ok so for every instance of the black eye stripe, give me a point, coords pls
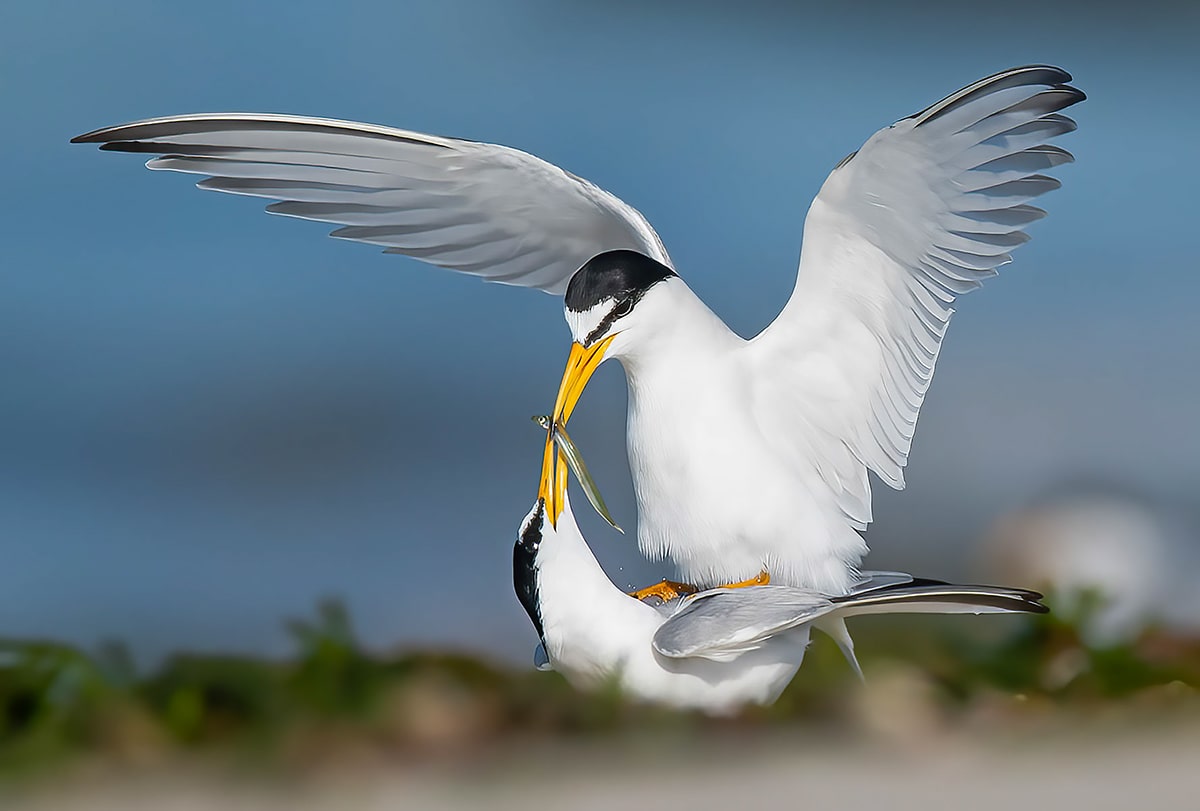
(623, 308)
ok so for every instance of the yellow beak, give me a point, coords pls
(581, 365)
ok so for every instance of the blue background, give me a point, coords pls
(210, 418)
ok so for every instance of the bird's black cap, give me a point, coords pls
(525, 567)
(615, 275)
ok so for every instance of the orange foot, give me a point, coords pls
(761, 579)
(666, 591)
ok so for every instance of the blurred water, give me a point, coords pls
(212, 417)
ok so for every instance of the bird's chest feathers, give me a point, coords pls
(690, 431)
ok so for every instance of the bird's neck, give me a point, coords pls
(586, 620)
(679, 332)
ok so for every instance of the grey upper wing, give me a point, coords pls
(721, 624)
(477, 208)
(925, 211)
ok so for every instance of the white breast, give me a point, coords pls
(714, 494)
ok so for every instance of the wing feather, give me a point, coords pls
(722, 624)
(477, 208)
(927, 210)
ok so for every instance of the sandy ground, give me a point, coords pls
(1096, 770)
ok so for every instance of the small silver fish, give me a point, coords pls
(575, 462)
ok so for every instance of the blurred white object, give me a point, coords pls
(1140, 561)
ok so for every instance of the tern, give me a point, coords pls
(749, 458)
(717, 650)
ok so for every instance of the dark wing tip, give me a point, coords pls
(1048, 75)
(1076, 94)
(129, 146)
(93, 137)
(198, 123)
(922, 589)
(1031, 600)
(1034, 74)
(114, 132)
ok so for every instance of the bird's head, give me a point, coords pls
(541, 529)
(608, 301)
(609, 306)
(525, 562)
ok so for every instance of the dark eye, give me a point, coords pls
(623, 307)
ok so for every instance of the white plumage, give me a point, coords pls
(746, 456)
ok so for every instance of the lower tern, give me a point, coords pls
(716, 650)
(749, 458)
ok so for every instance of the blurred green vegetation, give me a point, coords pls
(333, 697)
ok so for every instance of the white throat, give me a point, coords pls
(590, 625)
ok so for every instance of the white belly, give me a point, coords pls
(716, 498)
(756, 677)
(591, 656)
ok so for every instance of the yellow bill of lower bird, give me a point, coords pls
(559, 437)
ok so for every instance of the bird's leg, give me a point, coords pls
(666, 590)
(760, 579)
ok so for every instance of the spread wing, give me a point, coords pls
(477, 208)
(925, 211)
